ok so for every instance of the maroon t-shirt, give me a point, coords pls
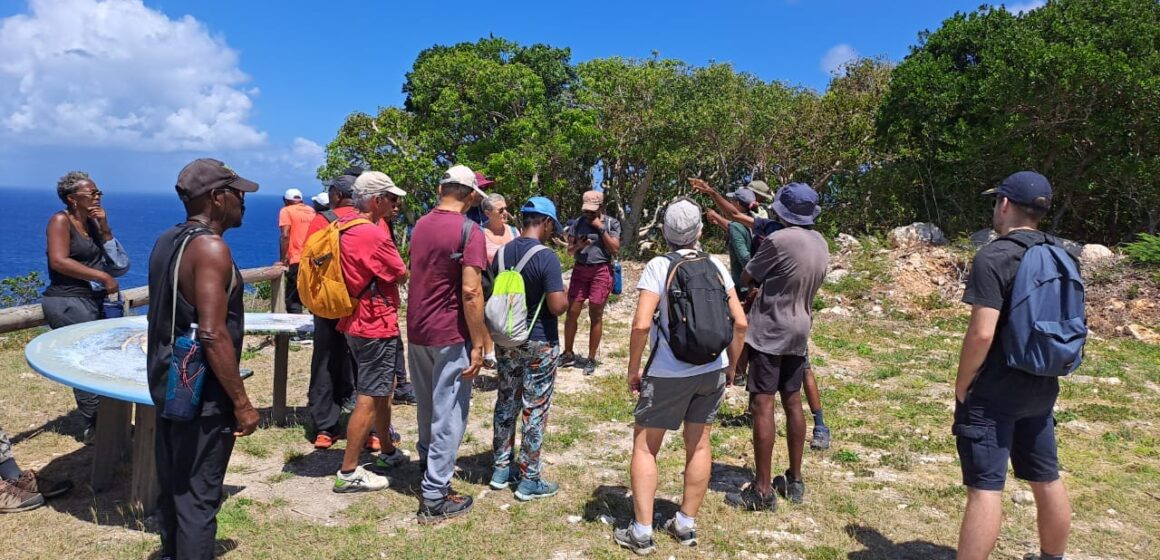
(435, 301)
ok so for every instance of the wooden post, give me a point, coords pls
(144, 489)
(111, 441)
(281, 350)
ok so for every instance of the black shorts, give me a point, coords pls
(772, 373)
(987, 438)
(376, 360)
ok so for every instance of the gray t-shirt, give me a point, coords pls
(595, 253)
(789, 268)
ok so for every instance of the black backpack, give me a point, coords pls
(700, 324)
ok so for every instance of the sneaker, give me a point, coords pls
(750, 499)
(567, 359)
(529, 490)
(793, 491)
(686, 538)
(89, 436)
(452, 505)
(502, 477)
(324, 440)
(391, 460)
(30, 481)
(821, 440)
(489, 363)
(625, 537)
(589, 366)
(361, 480)
(14, 499)
(407, 397)
(348, 406)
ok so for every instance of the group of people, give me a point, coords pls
(754, 316)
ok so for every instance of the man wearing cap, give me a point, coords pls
(320, 202)
(673, 392)
(192, 456)
(1001, 413)
(476, 213)
(446, 334)
(372, 269)
(594, 240)
(294, 221)
(764, 196)
(527, 373)
(788, 268)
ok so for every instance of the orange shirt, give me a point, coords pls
(297, 217)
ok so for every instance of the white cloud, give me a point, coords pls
(117, 74)
(837, 56)
(1024, 7)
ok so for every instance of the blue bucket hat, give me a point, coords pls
(796, 204)
(544, 207)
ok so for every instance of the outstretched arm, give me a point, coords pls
(727, 208)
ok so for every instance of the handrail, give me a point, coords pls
(28, 316)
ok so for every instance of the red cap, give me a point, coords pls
(482, 181)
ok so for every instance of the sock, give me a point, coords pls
(1046, 556)
(9, 470)
(347, 473)
(641, 531)
(818, 421)
(685, 522)
(489, 356)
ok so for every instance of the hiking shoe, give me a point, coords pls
(821, 440)
(324, 440)
(89, 436)
(529, 490)
(686, 538)
(391, 460)
(794, 491)
(14, 499)
(406, 397)
(589, 366)
(489, 363)
(625, 537)
(30, 481)
(451, 505)
(502, 477)
(567, 359)
(361, 480)
(750, 499)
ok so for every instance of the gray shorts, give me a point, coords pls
(376, 362)
(667, 401)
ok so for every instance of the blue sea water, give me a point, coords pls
(136, 219)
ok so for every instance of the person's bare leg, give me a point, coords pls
(813, 397)
(596, 331)
(1053, 516)
(981, 522)
(795, 431)
(646, 442)
(764, 433)
(357, 430)
(698, 466)
(570, 324)
(383, 423)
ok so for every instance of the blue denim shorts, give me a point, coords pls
(987, 438)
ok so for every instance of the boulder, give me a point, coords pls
(836, 275)
(1094, 254)
(983, 237)
(918, 233)
(847, 242)
(1141, 333)
(1023, 497)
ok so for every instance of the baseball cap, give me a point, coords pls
(344, 184)
(682, 223)
(592, 201)
(482, 181)
(461, 175)
(745, 197)
(760, 189)
(377, 182)
(203, 175)
(292, 194)
(1026, 188)
(542, 206)
(321, 199)
(797, 204)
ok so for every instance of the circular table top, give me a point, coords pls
(107, 357)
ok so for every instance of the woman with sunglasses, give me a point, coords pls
(83, 260)
(497, 231)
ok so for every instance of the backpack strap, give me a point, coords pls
(188, 236)
(528, 256)
(464, 237)
(674, 258)
(330, 216)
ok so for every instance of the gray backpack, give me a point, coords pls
(506, 312)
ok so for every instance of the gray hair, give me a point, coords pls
(491, 200)
(68, 184)
(368, 186)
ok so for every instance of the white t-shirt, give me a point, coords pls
(665, 364)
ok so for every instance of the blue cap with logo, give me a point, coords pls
(544, 207)
(1026, 188)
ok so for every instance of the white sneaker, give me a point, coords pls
(361, 480)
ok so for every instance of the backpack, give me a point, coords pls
(700, 324)
(506, 312)
(1046, 325)
(465, 233)
(320, 283)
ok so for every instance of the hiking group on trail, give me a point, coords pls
(484, 293)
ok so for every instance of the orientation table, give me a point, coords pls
(107, 357)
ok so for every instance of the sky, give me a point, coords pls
(131, 90)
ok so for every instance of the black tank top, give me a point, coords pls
(84, 250)
(159, 347)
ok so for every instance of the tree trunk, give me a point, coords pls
(628, 241)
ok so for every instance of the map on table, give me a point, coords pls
(107, 357)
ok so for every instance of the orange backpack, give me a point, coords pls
(320, 283)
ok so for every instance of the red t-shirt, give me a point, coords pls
(435, 302)
(369, 254)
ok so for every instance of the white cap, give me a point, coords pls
(292, 194)
(376, 182)
(462, 175)
(321, 199)
(682, 223)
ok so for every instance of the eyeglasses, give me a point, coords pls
(91, 194)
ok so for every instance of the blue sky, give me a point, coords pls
(131, 90)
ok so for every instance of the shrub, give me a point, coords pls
(20, 290)
(1145, 250)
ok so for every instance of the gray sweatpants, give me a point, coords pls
(443, 400)
(61, 312)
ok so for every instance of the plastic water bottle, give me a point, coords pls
(185, 378)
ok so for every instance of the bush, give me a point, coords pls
(1145, 251)
(20, 290)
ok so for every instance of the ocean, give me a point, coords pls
(136, 219)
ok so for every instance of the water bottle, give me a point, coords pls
(185, 378)
(617, 278)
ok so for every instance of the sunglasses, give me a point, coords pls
(91, 194)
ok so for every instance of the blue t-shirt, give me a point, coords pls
(762, 228)
(542, 275)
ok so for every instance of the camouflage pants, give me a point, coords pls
(527, 376)
(5, 446)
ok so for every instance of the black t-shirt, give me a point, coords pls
(542, 275)
(992, 274)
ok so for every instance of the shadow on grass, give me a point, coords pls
(71, 424)
(728, 478)
(879, 547)
(221, 548)
(614, 503)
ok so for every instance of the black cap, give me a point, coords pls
(354, 170)
(344, 185)
(203, 175)
(1025, 188)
